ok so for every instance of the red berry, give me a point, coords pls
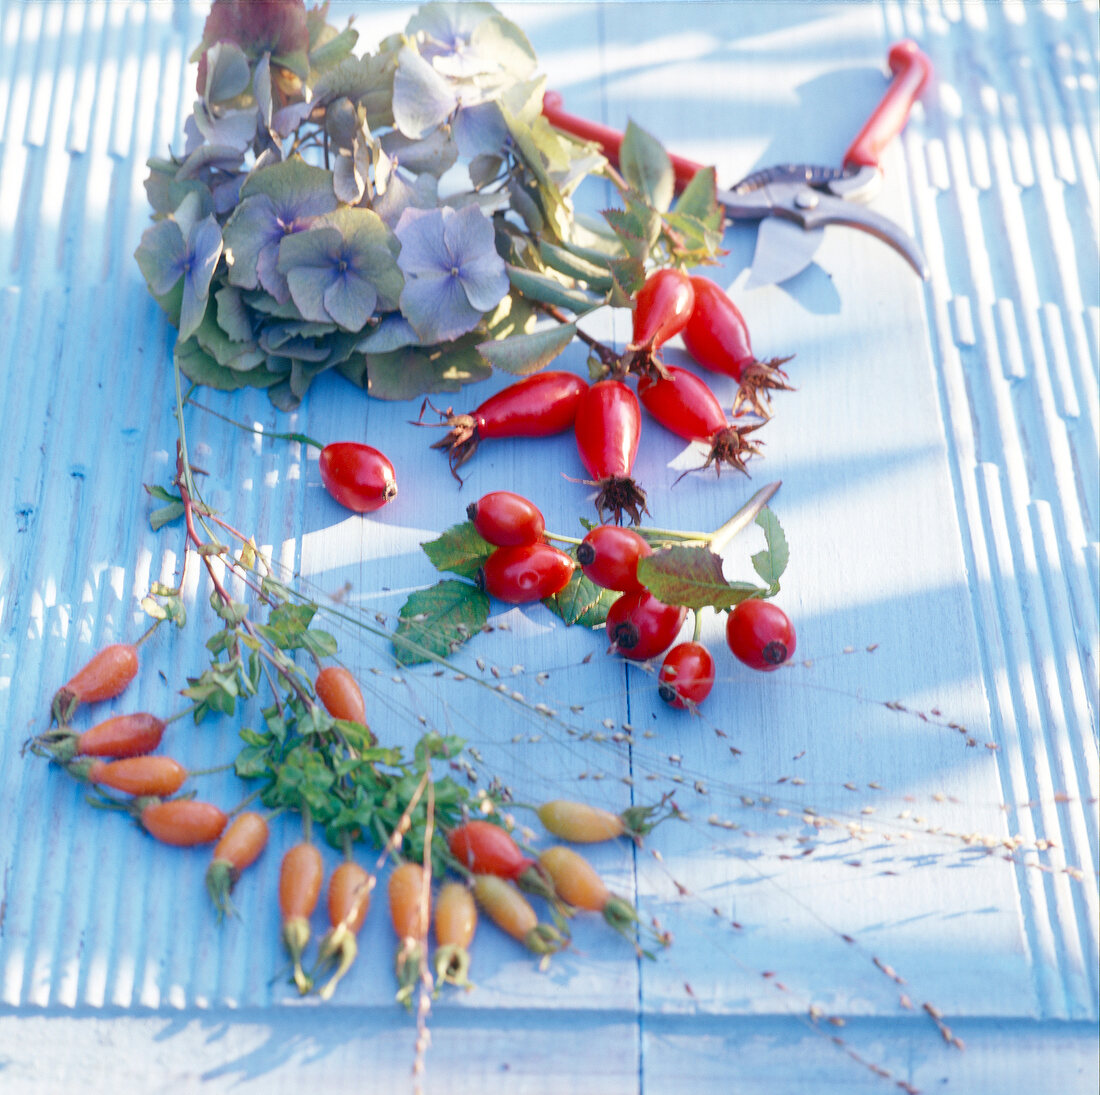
(639, 626)
(662, 309)
(608, 427)
(609, 557)
(684, 404)
(686, 676)
(526, 572)
(717, 337)
(538, 406)
(760, 634)
(357, 476)
(506, 519)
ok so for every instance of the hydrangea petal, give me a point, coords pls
(437, 308)
(485, 281)
(350, 300)
(423, 250)
(307, 288)
(422, 99)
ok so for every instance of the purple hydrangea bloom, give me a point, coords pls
(453, 274)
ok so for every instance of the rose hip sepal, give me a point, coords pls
(717, 337)
(608, 428)
(683, 404)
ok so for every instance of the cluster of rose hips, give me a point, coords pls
(523, 567)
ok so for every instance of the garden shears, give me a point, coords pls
(794, 203)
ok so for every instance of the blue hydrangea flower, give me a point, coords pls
(453, 274)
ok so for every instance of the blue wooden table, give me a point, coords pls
(891, 845)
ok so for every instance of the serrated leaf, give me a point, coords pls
(460, 550)
(691, 576)
(646, 166)
(439, 619)
(772, 561)
(700, 197)
(525, 354)
(581, 602)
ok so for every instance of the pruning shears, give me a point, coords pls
(794, 203)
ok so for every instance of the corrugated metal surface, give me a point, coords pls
(941, 494)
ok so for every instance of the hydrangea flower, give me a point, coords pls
(277, 27)
(453, 274)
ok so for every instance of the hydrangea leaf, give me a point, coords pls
(422, 99)
(406, 374)
(200, 368)
(524, 354)
(232, 314)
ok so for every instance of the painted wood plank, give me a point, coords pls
(940, 496)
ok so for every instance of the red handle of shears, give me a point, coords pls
(912, 70)
(610, 140)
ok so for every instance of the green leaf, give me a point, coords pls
(594, 275)
(406, 374)
(581, 601)
(438, 620)
(334, 51)
(522, 355)
(772, 561)
(700, 197)
(165, 515)
(232, 613)
(460, 550)
(548, 290)
(691, 576)
(646, 167)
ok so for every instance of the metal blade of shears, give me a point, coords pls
(783, 249)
